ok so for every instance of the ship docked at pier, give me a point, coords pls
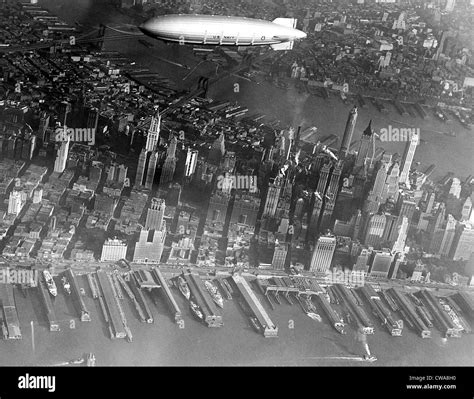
(53, 290)
(214, 293)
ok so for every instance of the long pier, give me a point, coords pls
(132, 297)
(93, 285)
(212, 316)
(7, 300)
(165, 289)
(270, 329)
(115, 320)
(356, 310)
(409, 312)
(442, 320)
(77, 299)
(380, 310)
(141, 299)
(48, 305)
(331, 314)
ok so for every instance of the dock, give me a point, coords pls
(132, 297)
(77, 299)
(270, 329)
(115, 320)
(408, 311)
(48, 305)
(12, 324)
(134, 285)
(380, 310)
(223, 288)
(330, 313)
(465, 302)
(356, 311)
(443, 321)
(212, 316)
(93, 286)
(170, 301)
(420, 110)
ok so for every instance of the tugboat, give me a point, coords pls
(50, 283)
(196, 310)
(90, 360)
(314, 316)
(183, 287)
(215, 294)
(66, 285)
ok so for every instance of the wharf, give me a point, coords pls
(171, 302)
(134, 285)
(212, 316)
(115, 319)
(7, 300)
(77, 299)
(270, 329)
(48, 305)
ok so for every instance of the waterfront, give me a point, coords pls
(308, 343)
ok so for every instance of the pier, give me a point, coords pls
(356, 311)
(409, 312)
(132, 297)
(93, 286)
(48, 305)
(10, 315)
(270, 329)
(465, 302)
(165, 289)
(212, 316)
(134, 285)
(442, 320)
(76, 296)
(380, 310)
(330, 313)
(115, 320)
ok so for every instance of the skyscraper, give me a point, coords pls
(149, 247)
(399, 245)
(348, 132)
(113, 250)
(365, 145)
(463, 248)
(152, 162)
(381, 263)
(407, 159)
(217, 150)
(153, 132)
(273, 195)
(169, 166)
(155, 213)
(331, 196)
(61, 156)
(375, 229)
(191, 162)
(323, 253)
(279, 256)
(318, 198)
(141, 167)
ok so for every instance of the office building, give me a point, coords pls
(191, 162)
(323, 253)
(348, 132)
(169, 167)
(279, 256)
(61, 156)
(113, 250)
(375, 229)
(153, 135)
(381, 263)
(149, 247)
(407, 159)
(155, 214)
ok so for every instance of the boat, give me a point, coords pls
(314, 316)
(183, 287)
(66, 285)
(50, 283)
(90, 360)
(215, 294)
(196, 310)
(80, 360)
(256, 325)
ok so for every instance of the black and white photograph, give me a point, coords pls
(237, 183)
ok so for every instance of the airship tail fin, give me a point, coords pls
(288, 22)
(282, 46)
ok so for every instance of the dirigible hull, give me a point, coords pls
(221, 30)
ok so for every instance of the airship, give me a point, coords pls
(223, 30)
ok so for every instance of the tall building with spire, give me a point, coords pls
(407, 159)
(319, 198)
(153, 132)
(331, 196)
(273, 196)
(348, 132)
(365, 146)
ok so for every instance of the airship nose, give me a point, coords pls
(146, 27)
(300, 34)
